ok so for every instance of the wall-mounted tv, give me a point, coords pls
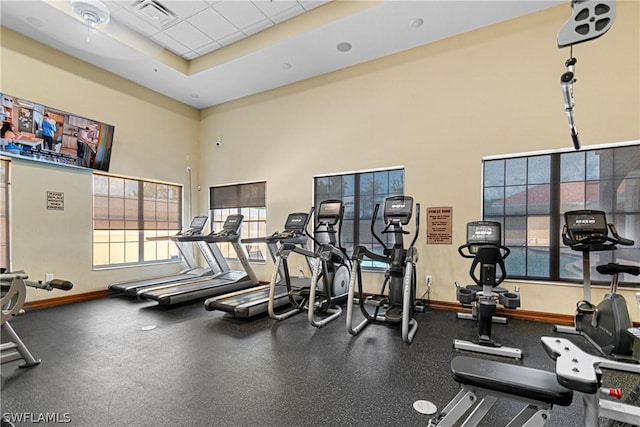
(46, 134)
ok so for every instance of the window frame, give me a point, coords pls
(378, 197)
(248, 228)
(143, 227)
(557, 206)
(5, 212)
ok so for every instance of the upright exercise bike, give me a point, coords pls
(14, 291)
(488, 254)
(606, 326)
(398, 306)
(329, 282)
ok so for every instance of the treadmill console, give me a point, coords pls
(483, 233)
(330, 212)
(231, 226)
(583, 224)
(398, 209)
(197, 225)
(295, 225)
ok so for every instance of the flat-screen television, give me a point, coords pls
(45, 134)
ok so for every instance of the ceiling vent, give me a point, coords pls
(154, 12)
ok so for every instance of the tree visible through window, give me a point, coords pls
(530, 194)
(359, 193)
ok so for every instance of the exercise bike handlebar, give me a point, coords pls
(596, 242)
(504, 254)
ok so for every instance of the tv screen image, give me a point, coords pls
(45, 134)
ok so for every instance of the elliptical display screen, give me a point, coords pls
(330, 211)
(483, 233)
(398, 207)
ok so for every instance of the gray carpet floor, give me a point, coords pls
(102, 366)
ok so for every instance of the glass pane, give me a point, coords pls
(538, 262)
(593, 165)
(599, 195)
(515, 200)
(570, 264)
(538, 231)
(515, 231)
(396, 182)
(572, 167)
(493, 173)
(494, 201)
(539, 170)
(381, 183)
(366, 184)
(627, 199)
(539, 199)
(100, 254)
(572, 196)
(516, 262)
(626, 161)
(348, 185)
(516, 171)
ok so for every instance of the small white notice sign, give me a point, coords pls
(55, 200)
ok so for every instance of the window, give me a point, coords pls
(250, 201)
(4, 214)
(127, 211)
(529, 195)
(359, 193)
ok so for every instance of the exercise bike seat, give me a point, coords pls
(613, 268)
(510, 379)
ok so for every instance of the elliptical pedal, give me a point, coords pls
(377, 300)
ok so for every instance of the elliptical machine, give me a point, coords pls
(400, 274)
(606, 325)
(484, 246)
(327, 288)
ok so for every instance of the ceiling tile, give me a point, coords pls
(212, 24)
(257, 27)
(240, 13)
(271, 8)
(170, 43)
(188, 35)
(287, 14)
(190, 55)
(208, 48)
(312, 4)
(232, 38)
(127, 18)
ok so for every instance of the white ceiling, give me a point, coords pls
(213, 51)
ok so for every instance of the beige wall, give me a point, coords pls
(436, 110)
(153, 137)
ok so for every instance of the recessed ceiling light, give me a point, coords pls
(34, 21)
(344, 46)
(415, 23)
(285, 65)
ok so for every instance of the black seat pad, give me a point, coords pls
(613, 268)
(512, 379)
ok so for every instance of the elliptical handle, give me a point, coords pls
(306, 227)
(415, 238)
(373, 223)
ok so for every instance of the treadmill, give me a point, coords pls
(251, 302)
(193, 270)
(223, 282)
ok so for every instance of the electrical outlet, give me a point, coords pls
(48, 277)
(428, 280)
